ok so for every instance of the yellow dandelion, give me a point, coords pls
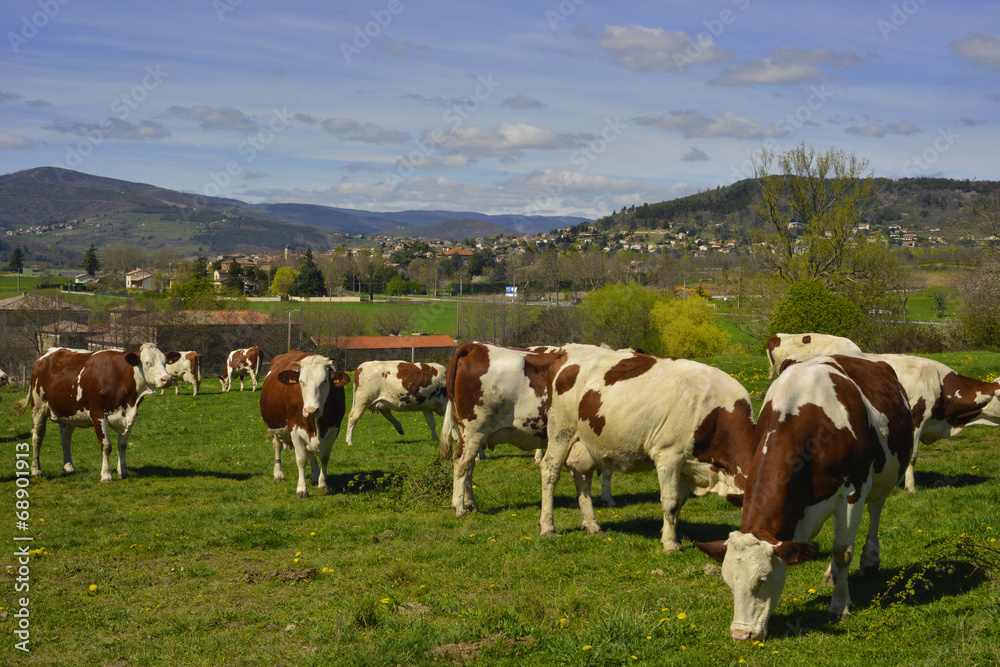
(682, 616)
(93, 587)
(296, 560)
(312, 534)
(386, 600)
(587, 647)
(812, 591)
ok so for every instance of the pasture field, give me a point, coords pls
(200, 558)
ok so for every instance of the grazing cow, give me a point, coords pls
(302, 404)
(834, 434)
(499, 395)
(241, 363)
(942, 401)
(3, 381)
(76, 388)
(382, 386)
(184, 366)
(632, 412)
(782, 346)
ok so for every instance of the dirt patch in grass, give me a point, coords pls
(465, 651)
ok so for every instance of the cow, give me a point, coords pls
(241, 363)
(3, 381)
(383, 386)
(632, 412)
(302, 404)
(77, 388)
(184, 366)
(782, 346)
(942, 402)
(833, 436)
(499, 395)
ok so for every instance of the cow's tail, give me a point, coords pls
(21, 405)
(444, 438)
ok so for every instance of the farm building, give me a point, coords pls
(351, 351)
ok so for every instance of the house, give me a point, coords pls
(140, 279)
(67, 333)
(415, 348)
(38, 310)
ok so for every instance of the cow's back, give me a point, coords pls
(74, 380)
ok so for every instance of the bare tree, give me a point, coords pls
(122, 259)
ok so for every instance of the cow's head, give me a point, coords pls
(754, 570)
(150, 367)
(314, 375)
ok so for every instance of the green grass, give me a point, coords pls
(196, 558)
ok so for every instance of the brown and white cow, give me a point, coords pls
(384, 386)
(500, 395)
(77, 388)
(184, 366)
(782, 346)
(302, 404)
(834, 435)
(942, 401)
(241, 363)
(633, 412)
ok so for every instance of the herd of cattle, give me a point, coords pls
(838, 430)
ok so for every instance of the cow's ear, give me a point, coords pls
(133, 359)
(795, 553)
(172, 356)
(786, 363)
(715, 550)
(288, 377)
(339, 378)
(735, 499)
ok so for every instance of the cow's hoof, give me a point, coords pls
(828, 579)
(593, 530)
(838, 618)
(671, 548)
(301, 494)
(68, 469)
(123, 475)
(610, 503)
(279, 478)
(548, 532)
(106, 480)
(36, 472)
(868, 569)
(325, 490)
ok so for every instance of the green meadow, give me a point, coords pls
(200, 558)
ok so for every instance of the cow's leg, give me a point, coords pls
(197, 385)
(606, 489)
(539, 453)
(279, 476)
(122, 446)
(66, 439)
(253, 380)
(909, 483)
(39, 420)
(385, 412)
(104, 440)
(672, 496)
(301, 456)
(314, 465)
(462, 498)
(582, 466)
(870, 556)
(325, 448)
(429, 416)
(846, 521)
(241, 383)
(560, 441)
(358, 408)
(177, 389)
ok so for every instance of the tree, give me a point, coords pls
(687, 328)
(283, 279)
(234, 277)
(91, 261)
(481, 261)
(16, 263)
(201, 267)
(617, 315)
(122, 259)
(808, 306)
(309, 281)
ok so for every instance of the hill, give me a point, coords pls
(456, 229)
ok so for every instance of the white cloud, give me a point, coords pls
(368, 133)
(522, 102)
(695, 155)
(8, 140)
(654, 49)
(216, 118)
(113, 128)
(696, 124)
(980, 47)
(785, 66)
(879, 130)
(461, 146)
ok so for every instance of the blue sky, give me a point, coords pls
(571, 107)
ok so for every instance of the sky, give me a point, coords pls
(571, 107)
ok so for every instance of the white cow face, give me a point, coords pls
(314, 376)
(152, 367)
(756, 575)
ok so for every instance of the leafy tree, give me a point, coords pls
(16, 263)
(618, 315)
(481, 260)
(283, 279)
(91, 261)
(196, 294)
(808, 306)
(687, 328)
(309, 281)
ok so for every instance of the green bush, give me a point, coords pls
(809, 307)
